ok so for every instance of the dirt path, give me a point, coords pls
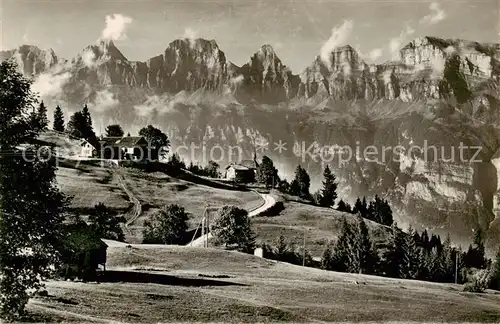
(136, 211)
(269, 201)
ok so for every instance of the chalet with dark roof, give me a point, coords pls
(133, 148)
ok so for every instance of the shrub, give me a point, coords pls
(231, 228)
(168, 226)
(479, 282)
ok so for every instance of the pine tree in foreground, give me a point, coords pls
(31, 204)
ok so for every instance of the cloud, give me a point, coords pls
(346, 69)
(338, 37)
(450, 50)
(237, 79)
(156, 104)
(437, 14)
(88, 58)
(375, 54)
(396, 42)
(438, 65)
(105, 100)
(191, 35)
(116, 25)
(48, 84)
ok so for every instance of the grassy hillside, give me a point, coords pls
(89, 183)
(319, 225)
(148, 284)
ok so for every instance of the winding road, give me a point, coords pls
(269, 201)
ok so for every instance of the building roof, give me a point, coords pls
(237, 167)
(81, 238)
(84, 141)
(126, 141)
(251, 164)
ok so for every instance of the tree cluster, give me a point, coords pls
(353, 251)
(267, 173)
(210, 170)
(300, 184)
(377, 210)
(403, 255)
(158, 141)
(80, 125)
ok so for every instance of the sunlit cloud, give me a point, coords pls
(396, 42)
(436, 15)
(116, 25)
(338, 37)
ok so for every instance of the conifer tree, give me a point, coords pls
(393, 255)
(300, 185)
(364, 255)
(42, 116)
(343, 253)
(344, 207)
(58, 124)
(327, 257)
(329, 192)
(448, 260)
(410, 262)
(437, 267)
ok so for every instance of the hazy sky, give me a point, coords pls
(298, 30)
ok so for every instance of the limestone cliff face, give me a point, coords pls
(188, 65)
(31, 59)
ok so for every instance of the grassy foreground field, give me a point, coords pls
(171, 284)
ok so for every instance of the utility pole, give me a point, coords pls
(304, 250)
(456, 267)
(203, 228)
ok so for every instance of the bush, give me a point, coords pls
(479, 282)
(231, 228)
(168, 226)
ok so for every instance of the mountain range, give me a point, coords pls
(443, 92)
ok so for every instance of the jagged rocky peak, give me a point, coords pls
(188, 64)
(344, 59)
(267, 78)
(101, 51)
(199, 51)
(31, 59)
